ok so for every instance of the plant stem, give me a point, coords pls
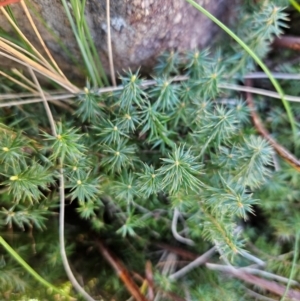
(63, 254)
(176, 235)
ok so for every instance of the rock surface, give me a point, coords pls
(140, 29)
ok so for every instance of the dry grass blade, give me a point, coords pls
(37, 100)
(17, 29)
(46, 105)
(17, 95)
(40, 39)
(22, 50)
(55, 98)
(110, 55)
(17, 56)
(34, 61)
(49, 97)
(23, 77)
(54, 94)
(17, 82)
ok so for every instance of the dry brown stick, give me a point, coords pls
(282, 152)
(271, 286)
(291, 42)
(149, 277)
(121, 272)
(179, 251)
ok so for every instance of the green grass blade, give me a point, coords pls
(88, 43)
(87, 62)
(296, 5)
(11, 14)
(31, 271)
(98, 68)
(98, 64)
(296, 250)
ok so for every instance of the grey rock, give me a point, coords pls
(140, 29)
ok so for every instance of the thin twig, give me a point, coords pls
(265, 274)
(157, 297)
(174, 230)
(257, 91)
(227, 86)
(147, 83)
(170, 260)
(258, 296)
(291, 42)
(150, 280)
(266, 284)
(121, 272)
(284, 153)
(144, 84)
(26, 94)
(170, 264)
(277, 75)
(53, 99)
(49, 97)
(194, 264)
(109, 45)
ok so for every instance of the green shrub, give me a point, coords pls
(172, 161)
